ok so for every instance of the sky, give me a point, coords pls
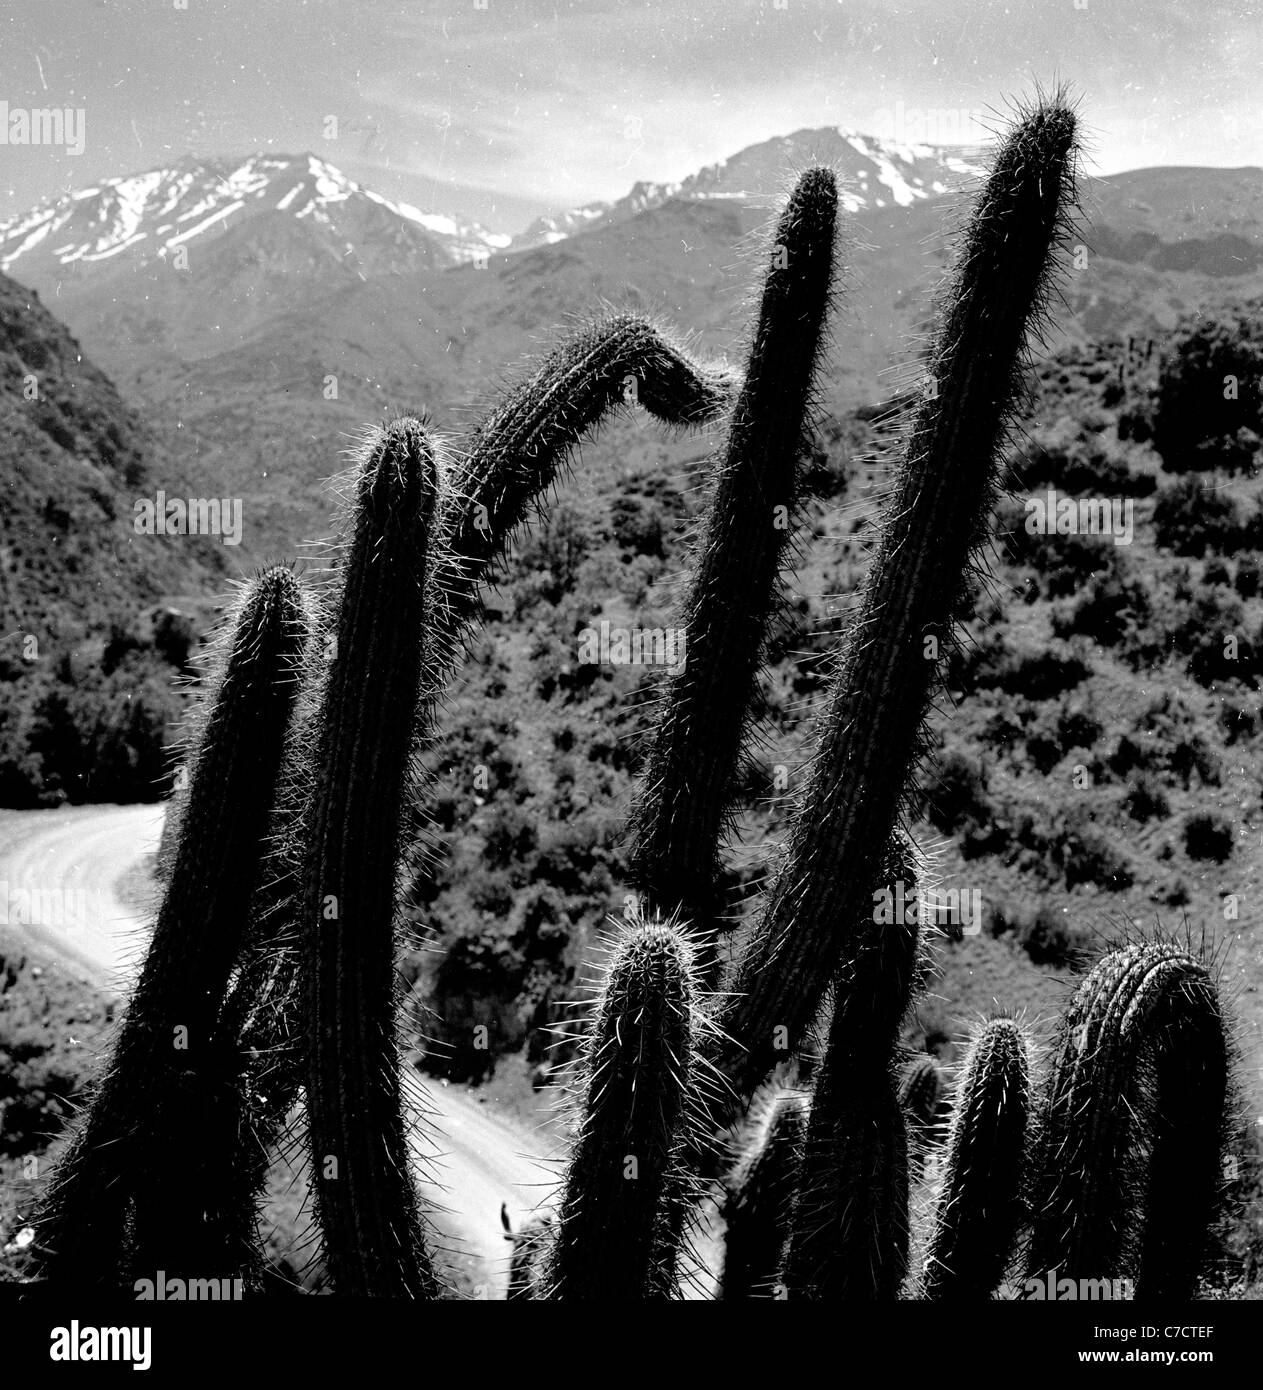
(498, 110)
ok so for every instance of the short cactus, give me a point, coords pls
(980, 1204)
(626, 1179)
(1127, 1170)
(760, 1192)
(920, 1090)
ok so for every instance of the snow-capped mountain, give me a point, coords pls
(873, 174)
(149, 216)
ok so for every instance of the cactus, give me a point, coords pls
(933, 524)
(626, 1181)
(760, 1193)
(149, 1156)
(690, 768)
(980, 1205)
(849, 1236)
(299, 968)
(367, 1204)
(1127, 1170)
(520, 449)
(920, 1090)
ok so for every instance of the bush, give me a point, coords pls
(1049, 939)
(1072, 459)
(1113, 611)
(958, 793)
(1201, 420)
(1190, 519)
(1145, 799)
(1208, 837)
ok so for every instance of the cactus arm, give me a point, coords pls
(519, 450)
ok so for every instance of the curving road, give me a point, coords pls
(69, 881)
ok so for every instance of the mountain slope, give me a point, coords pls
(94, 619)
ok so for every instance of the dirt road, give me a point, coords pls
(67, 884)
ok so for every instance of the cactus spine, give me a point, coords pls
(365, 1198)
(980, 1204)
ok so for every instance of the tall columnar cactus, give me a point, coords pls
(935, 520)
(145, 1184)
(626, 1183)
(1127, 1170)
(690, 769)
(760, 1192)
(849, 1236)
(980, 1203)
(347, 904)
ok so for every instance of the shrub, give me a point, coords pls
(1190, 519)
(1145, 799)
(1210, 412)
(1208, 837)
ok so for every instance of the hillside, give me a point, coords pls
(87, 607)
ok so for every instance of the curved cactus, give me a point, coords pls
(935, 519)
(149, 1158)
(686, 786)
(625, 1182)
(1127, 1170)
(760, 1194)
(365, 1197)
(521, 447)
(980, 1205)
